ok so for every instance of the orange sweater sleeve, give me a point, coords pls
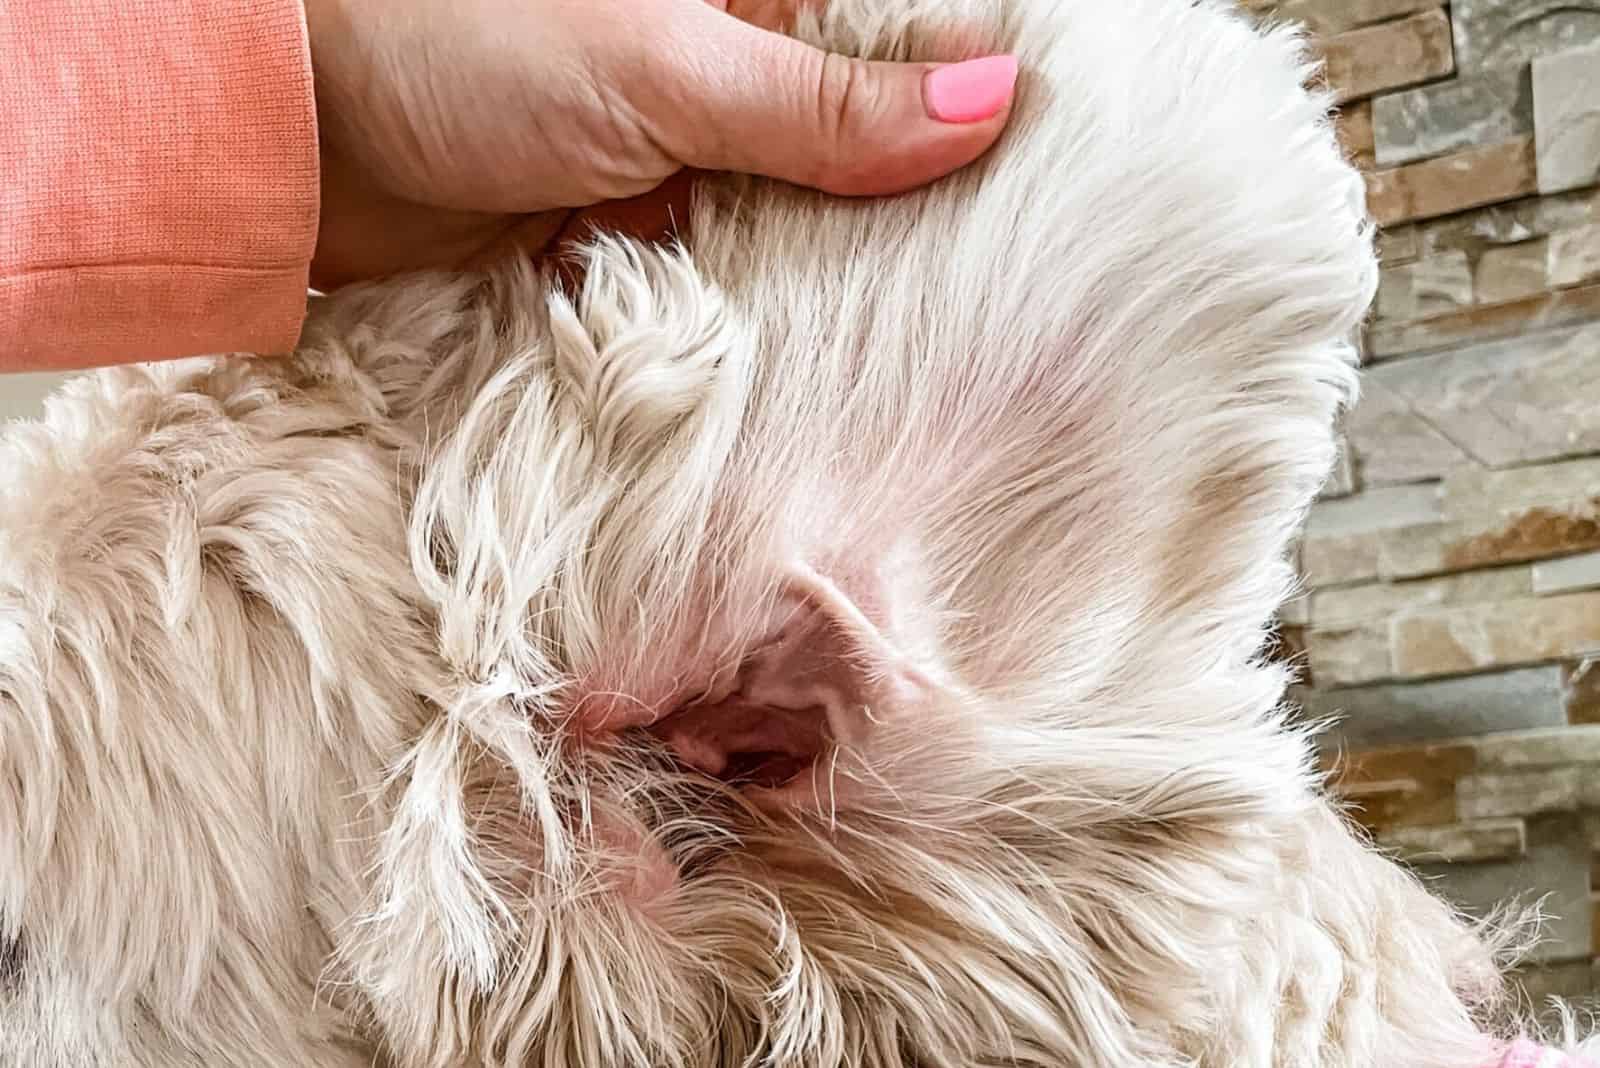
(158, 179)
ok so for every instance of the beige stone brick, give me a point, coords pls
(1574, 255)
(1537, 533)
(1581, 692)
(1296, 611)
(1466, 179)
(1345, 656)
(1399, 244)
(1525, 792)
(1377, 601)
(1333, 560)
(1392, 55)
(1342, 479)
(1431, 762)
(1402, 786)
(1287, 645)
(1511, 272)
(1340, 546)
(1546, 748)
(1426, 287)
(1477, 492)
(1474, 637)
(1336, 16)
(1353, 126)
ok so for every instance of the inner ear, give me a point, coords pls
(806, 698)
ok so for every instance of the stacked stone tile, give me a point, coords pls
(1452, 569)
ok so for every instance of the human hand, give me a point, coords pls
(454, 128)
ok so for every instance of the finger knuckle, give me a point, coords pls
(843, 90)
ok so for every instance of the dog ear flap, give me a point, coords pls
(794, 723)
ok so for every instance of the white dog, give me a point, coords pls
(839, 643)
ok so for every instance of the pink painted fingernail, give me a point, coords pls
(972, 91)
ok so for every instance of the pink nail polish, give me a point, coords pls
(972, 91)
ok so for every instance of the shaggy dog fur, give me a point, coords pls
(839, 643)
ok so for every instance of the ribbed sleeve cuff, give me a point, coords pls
(73, 318)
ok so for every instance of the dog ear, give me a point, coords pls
(794, 695)
(826, 675)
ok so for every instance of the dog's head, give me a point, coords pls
(836, 643)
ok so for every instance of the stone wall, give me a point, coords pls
(1452, 612)
(22, 396)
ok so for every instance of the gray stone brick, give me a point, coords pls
(1377, 509)
(1567, 117)
(1478, 109)
(1390, 442)
(1399, 713)
(1515, 401)
(1567, 574)
(1555, 869)
(1502, 33)
(1457, 843)
(1490, 322)
(1523, 220)
(1571, 980)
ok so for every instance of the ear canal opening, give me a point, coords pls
(815, 686)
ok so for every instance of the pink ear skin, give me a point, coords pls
(792, 724)
(807, 702)
(641, 869)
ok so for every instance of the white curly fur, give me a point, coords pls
(292, 651)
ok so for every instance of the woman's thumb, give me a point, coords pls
(771, 105)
